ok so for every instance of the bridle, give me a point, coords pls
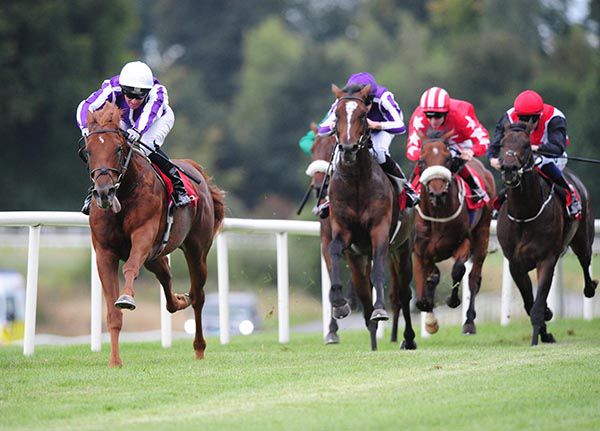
(364, 141)
(525, 164)
(123, 164)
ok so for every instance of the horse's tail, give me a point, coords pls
(218, 197)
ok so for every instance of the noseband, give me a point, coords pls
(123, 161)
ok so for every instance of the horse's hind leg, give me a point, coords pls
(195, 256)
(404, 294)
(339, 305)
(160, 268)
(581, 244)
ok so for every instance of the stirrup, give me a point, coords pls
(322, 210)
(574, 209)
(181, 200)
(87, 203)
(412, 198)
(477, 194)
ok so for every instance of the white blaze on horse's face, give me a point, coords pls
(350, 108)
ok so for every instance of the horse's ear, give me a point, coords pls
(507, 126)
(314, 127)
(337, 91)
(529, 126)
(365, 91)
(116, 116)
(91, 119)
(448, 135)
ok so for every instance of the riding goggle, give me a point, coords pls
(135, 93)
(528, 118)
(435, 114)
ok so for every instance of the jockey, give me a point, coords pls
(438, 111)
(385, 120)
(549, 135)
(145, 116)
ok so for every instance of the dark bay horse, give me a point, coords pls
(444, 229)
(534, 230)
(365, 218)
(129, 220)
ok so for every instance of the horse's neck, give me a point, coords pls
(138, 168)
(361, 170)
(525, 200)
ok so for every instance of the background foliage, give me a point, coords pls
(247, 78)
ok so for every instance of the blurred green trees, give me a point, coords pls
(246, 78)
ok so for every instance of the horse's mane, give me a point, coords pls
(108, 116)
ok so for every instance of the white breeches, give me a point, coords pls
(381, 147)
(157, 133)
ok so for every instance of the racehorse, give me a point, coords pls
(365, 218)
(534, 230)
(445, 228)
(129, 221)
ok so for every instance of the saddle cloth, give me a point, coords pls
(187, 183)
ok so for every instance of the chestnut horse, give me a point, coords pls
(534, 230)
(444, 228)
(129, 219)
(367, 226)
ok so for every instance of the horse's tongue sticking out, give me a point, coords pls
(116, 206)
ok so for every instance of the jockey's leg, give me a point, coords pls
(477, 193)
(180, 195)
(87, 202)
(555, 174)
(394, 172)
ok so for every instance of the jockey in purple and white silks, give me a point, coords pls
(145, 116)
(385, 120)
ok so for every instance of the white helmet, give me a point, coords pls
(137, 76)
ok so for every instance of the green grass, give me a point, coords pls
(491, 381)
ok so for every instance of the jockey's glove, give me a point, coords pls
(85, 132)
(133, 135)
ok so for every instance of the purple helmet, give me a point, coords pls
(363, 78)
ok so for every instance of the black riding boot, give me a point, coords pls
(180, 196)
(555, 175)
(393, 171)
(87, 202)
(477, 193)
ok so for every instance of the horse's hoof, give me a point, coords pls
(453, 301)
(125, 302)
(547, 338)
(408, 345)
(548, 315)
(379, 315)
(341, 312)
(469, 329)
(332, 338)
(431, 323)
(590, 290)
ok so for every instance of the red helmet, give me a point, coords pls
(435, 99)
(529, 103)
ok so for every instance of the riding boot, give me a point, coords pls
(87, 202)
(552, 171)
(477, 193)
(395, 174)
(180, 196)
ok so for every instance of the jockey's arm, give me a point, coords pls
(557, 137)
(494, 148)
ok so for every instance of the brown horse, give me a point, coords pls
(446, 229)
(367, 226)
(534, 230)
(321, 152)
(129, 221)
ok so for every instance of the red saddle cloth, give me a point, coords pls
(472, 206)
(187, 183)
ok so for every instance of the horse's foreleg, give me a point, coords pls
(460, 255)
(379, 245)
(340, 307)
(108, 266)
(404, 265)
(540, 310)
(359, 270)
(427, 277)
(141, 245)
(479, 248)
(523, 282)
